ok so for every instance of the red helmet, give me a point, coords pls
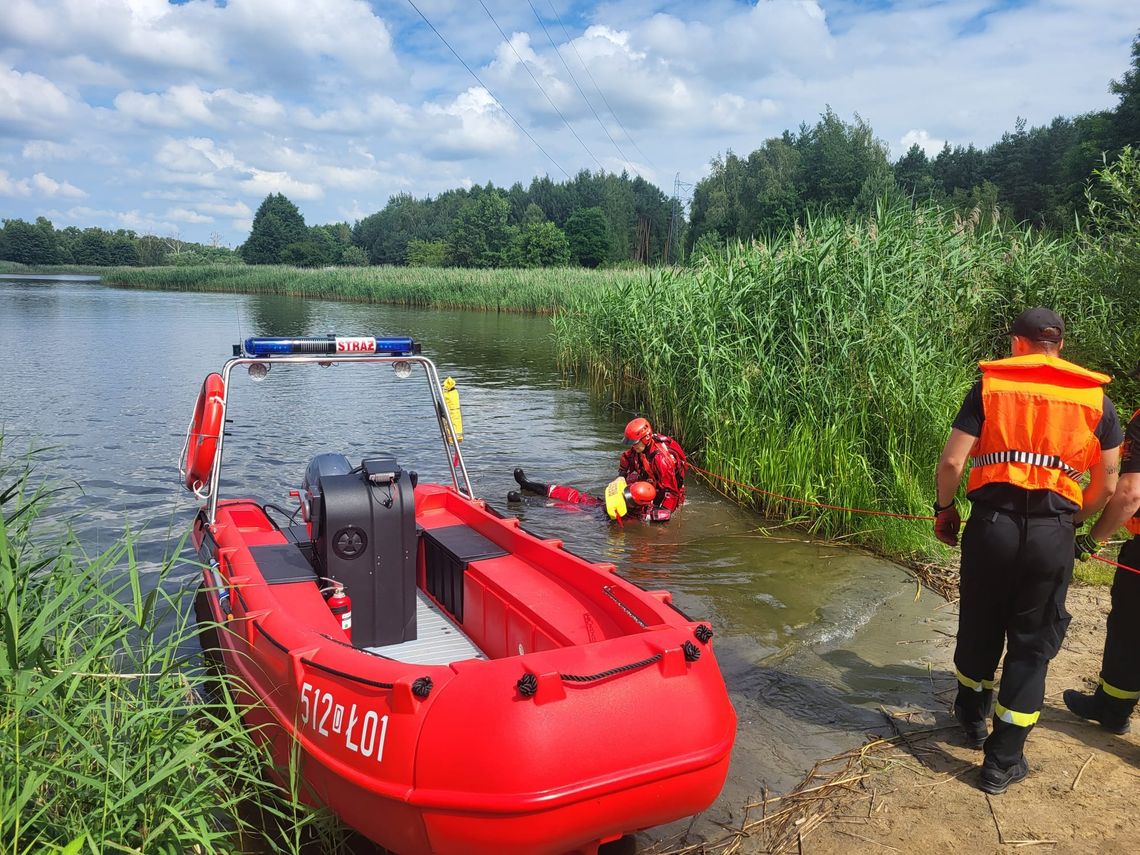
(638, 430)
(641, 492)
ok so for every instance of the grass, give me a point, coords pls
(827, 363)
(105, 743)
(513, 290)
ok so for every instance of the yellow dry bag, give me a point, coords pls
(451, 398)
(615, 499)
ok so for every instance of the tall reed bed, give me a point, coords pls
(516, 290)
(105, 744)
(827, 363)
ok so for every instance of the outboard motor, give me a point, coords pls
(322, 464)
(363, 526)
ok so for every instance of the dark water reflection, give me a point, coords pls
(807, 633)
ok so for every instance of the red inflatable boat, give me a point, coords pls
(444, 680)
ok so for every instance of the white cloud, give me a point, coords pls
(262, 183)
(45, 150)
(153, 31)
(374, 112)
(195, 155)
(187, 106)
(470, 125)
(10, 186)
(225, 209)
(185, 215)
(50, 187)
(923, 140)
(38, 186)
(29, 100)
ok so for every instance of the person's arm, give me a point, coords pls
(1102, 484)
(1124, 503)
(951, 465)
(625, 463)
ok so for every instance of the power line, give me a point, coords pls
(540, 87)
(550, 39)
(488, 90)
(600, 92)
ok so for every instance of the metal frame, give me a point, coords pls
(443, 415)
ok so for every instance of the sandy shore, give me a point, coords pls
(916, 791)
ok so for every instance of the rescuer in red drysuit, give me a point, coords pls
(639, 497)
(655, 458)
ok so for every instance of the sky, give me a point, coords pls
(178, 118)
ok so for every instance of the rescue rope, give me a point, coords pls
(528, 683)
(744, 486)
(1114, 564)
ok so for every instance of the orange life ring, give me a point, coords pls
(205, 428)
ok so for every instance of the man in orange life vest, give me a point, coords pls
(1119, 686)
(657, 459)
(1030, 429)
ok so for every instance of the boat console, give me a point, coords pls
(363, 527)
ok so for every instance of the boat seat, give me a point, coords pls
(283, 563)
(448, 550)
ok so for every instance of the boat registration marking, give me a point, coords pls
(364, 732)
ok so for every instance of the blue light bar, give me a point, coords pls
(329, 345)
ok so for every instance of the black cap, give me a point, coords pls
(1039, 324)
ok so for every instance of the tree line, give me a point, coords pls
(1037, 176)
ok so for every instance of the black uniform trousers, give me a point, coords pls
(1015, 574)
(1120, 669)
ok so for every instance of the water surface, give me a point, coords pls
(812, 637)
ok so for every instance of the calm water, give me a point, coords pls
(808, 634)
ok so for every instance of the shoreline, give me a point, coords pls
(916, 791)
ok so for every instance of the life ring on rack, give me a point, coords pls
(205, 428)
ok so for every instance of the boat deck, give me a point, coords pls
(438, 640)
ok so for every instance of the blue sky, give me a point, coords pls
(177, 119)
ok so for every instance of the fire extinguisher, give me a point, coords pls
(340, 605)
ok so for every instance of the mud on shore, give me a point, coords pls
(913, 787)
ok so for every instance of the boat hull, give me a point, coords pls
(598, 710)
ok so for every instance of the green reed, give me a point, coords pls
(827, 363)
(105, 742)
(514, 290)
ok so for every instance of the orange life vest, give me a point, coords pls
(1133, 522)
(1041, 414)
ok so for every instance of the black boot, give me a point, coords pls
(972, 709)
(530, 486)
(996, 779)
(1110, 713)
(514, 497)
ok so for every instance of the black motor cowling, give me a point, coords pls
(364, 536)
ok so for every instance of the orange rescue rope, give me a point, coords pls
(744, 486)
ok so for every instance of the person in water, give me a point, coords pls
(655, 458)
(621, 500)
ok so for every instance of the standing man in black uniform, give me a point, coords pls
(1030, 428)
(1119, 686)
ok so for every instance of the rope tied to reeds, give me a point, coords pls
(808, 502)
(868, 512)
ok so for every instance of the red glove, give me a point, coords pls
(659, 515)
(946, 524)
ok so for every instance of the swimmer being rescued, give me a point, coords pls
(621, 500)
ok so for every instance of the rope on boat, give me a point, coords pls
(528, 683)
(609, 592)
